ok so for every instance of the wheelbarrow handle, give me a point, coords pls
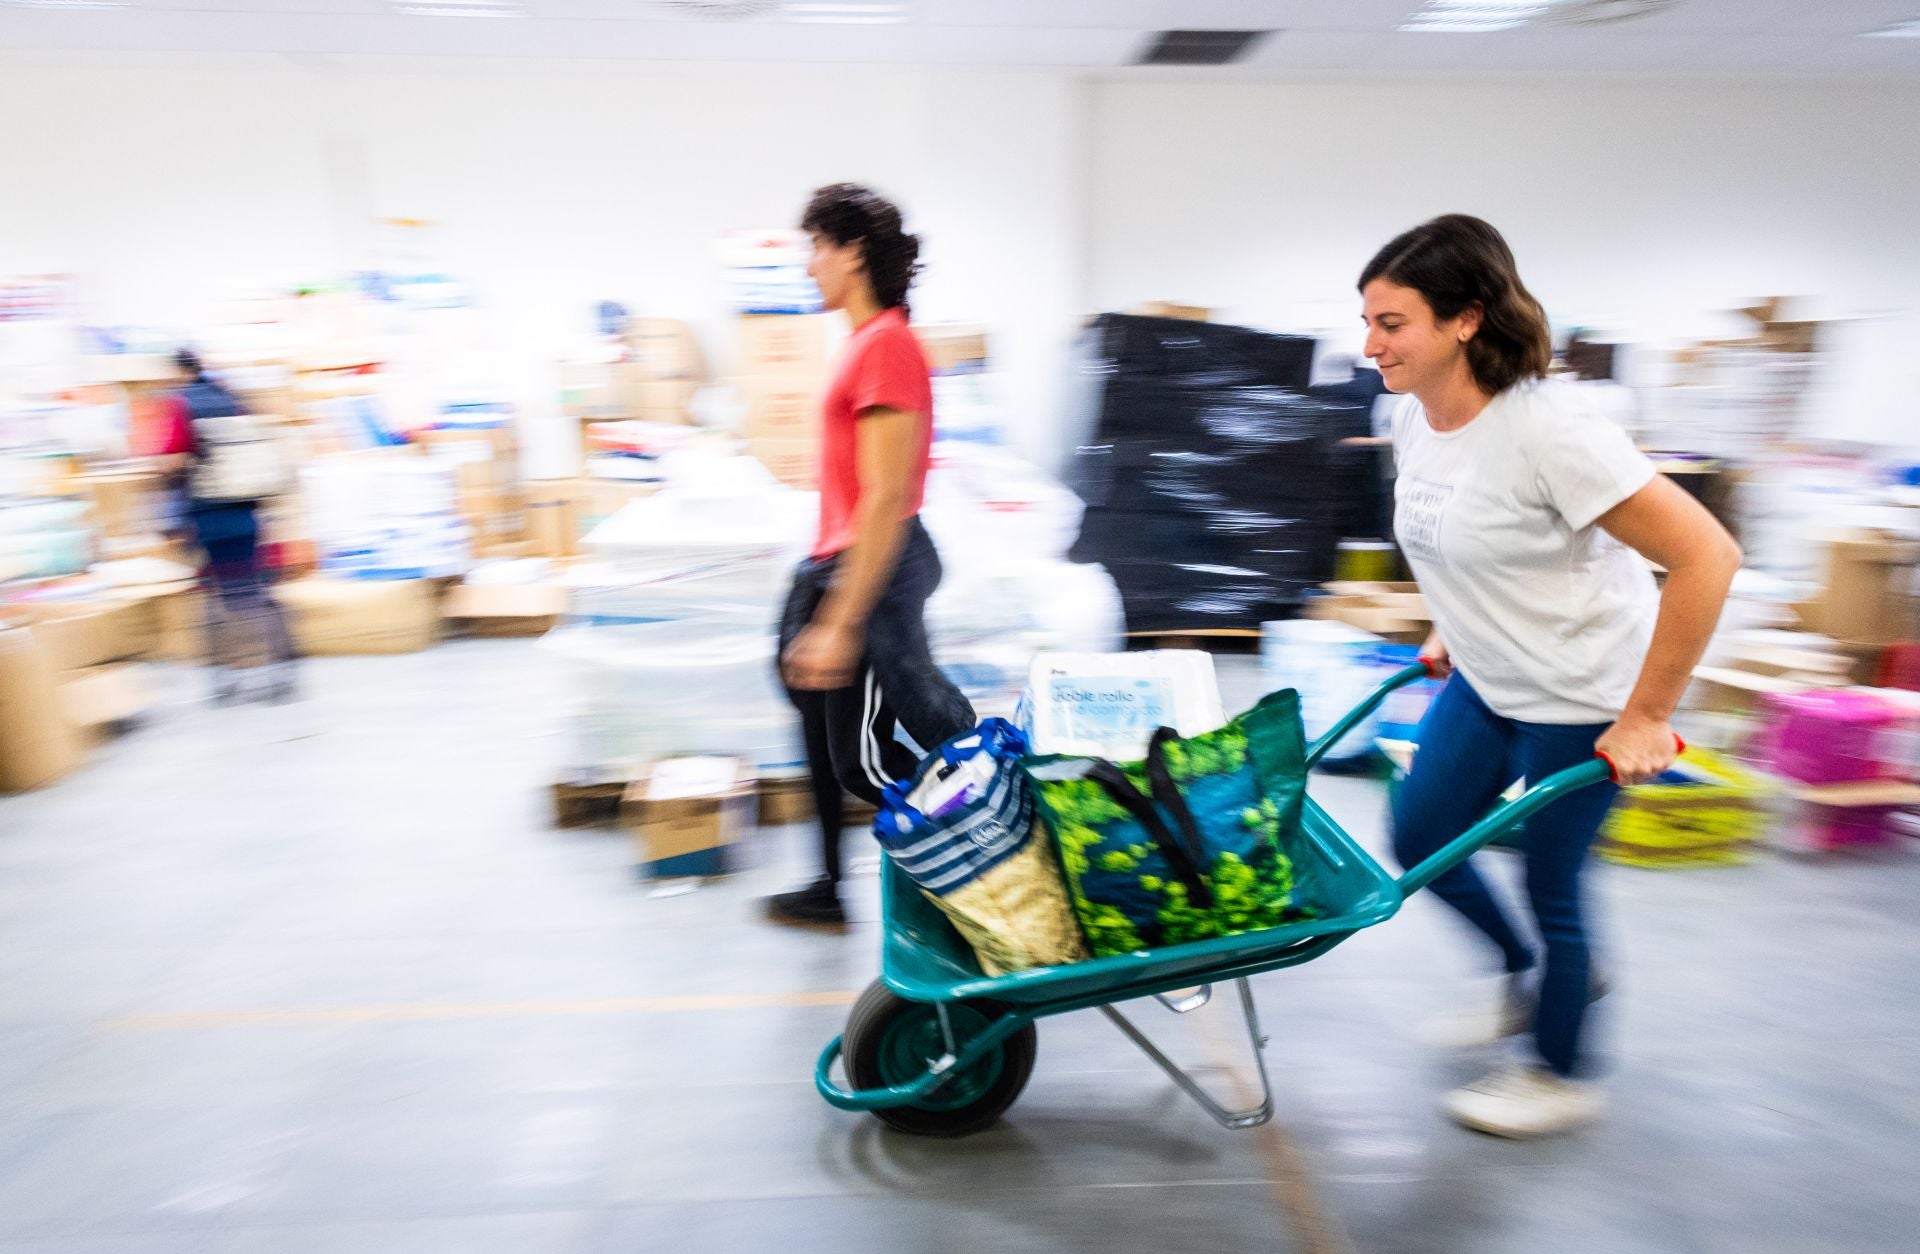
(1613, 771)
(1357, 715)
(1510, 815)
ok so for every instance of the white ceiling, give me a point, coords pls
(1314, 38)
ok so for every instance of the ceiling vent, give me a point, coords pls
(1200, 47)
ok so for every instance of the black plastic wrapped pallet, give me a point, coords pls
(1189, 446)
(1212, 500)
(1162, 348)
(1178, 572)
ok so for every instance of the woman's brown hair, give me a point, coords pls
(1457, 262)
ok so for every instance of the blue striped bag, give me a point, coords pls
(981, 860)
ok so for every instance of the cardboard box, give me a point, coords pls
(601, 499)
(470, 444)
(277, 403)
(1812, 661)
(1369, 587)
(780, 407)
(656, 400)
(1779, 333)
(1731, 690)
(148, 544)
(788, 799)
(153, 368)
(618, 390)
(664, 348)
(121, 502)
(283, 519)
(75, 635)
(179, 614)
(553, 517)
(688, 816)
(1167, 309)
(1868, 596)
(783, 800)
(505, 609)
(494, 517)
(588, 390)
(69, 636)
(101, 696)
(792, 462)
(1391, 610)
(350, 617)
(37, 745)
(795, 345)
(953, 347)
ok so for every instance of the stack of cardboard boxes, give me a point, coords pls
(487, 476)
(560, 512)
(654, 378)
(70, 672)
(662, 371)
(783, 371)
(1867, 601)
(953, 347)
(1395, 612)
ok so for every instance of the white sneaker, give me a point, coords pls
(1523, 1102)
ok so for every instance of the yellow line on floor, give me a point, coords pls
(1318, 1229)
(426, 1012)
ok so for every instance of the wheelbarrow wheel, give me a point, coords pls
(890, 1040)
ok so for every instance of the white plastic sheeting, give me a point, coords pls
(671, 635)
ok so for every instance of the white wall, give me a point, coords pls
(1638, 206)
(157, 187)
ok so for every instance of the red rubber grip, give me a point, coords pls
(1613, 772)
(1432, 666)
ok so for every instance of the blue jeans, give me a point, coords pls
(1468, 756)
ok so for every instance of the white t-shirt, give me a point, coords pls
(1546, 615)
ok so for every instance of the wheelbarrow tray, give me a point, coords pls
(924, 959)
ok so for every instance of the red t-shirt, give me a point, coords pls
(159, 426)
(881, 367)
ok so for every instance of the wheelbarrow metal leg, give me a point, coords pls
(1191, 1002)
(1250, 1118)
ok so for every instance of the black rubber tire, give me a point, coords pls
(877, 1014)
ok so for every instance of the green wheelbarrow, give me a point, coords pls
(938, 1048)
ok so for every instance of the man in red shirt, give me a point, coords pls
(853, 641)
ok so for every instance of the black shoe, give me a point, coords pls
(282, 688)
(816, 906)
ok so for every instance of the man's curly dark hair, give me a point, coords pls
(847, 212)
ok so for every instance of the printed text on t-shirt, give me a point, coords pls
(1423, 508)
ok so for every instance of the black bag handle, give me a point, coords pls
(1130, 799)
(1167, 793)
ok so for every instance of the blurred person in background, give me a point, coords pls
(240, 608)
(1528, 518)
(1593, 366)
(853, 641)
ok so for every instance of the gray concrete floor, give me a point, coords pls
(321, 978)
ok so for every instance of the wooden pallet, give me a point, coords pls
(782, 800)
(789, 799)
(587, 805)
(1207, 639)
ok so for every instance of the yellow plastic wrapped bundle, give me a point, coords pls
(1705, 811)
